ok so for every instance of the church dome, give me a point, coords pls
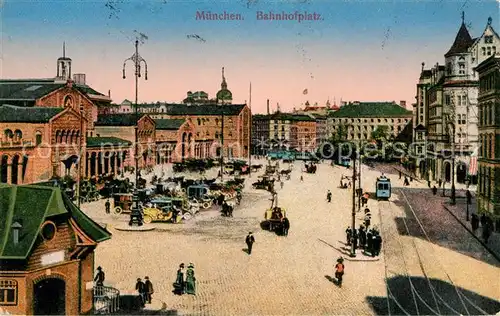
(224, 94)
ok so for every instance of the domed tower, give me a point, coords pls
(224, 95)
(457, 59)
(63, 66)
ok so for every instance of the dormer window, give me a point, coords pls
(488, 39)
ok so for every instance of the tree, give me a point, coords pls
(380, 134)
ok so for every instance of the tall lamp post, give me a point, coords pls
(135, 215)
(453, 196)
(353, 249)
(78, 192)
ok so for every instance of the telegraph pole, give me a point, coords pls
(222, 143)
(250, 135)
(135, 215)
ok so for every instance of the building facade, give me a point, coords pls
(46, 255)
(356, 121)
(447, 110)
(488, 190)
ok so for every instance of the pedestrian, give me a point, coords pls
(179, 281)
(434, 190)
(377, 244)
(368, 218)
(474, 222)
(100, 277)
(429, 183)
(329, 196)
(355, 238)
(483, 220)
(107, 206)
(301, 178)
(369, 242)
(148, 289)
(141, 290)
(348, 233)
(486, 233)
(339, 271)
(190, 280)
(440, 182)
(286, 226)
(362, 237)
(406, 182)
(400, 174)
(249, 241)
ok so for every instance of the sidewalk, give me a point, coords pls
(459, 211)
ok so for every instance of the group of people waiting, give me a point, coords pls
(367, 239)
(185, 281)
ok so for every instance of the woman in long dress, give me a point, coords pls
(179, 284)
(190, 280)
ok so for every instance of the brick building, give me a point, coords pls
(488, 189)
(46, 123)
(46, 254)
(283, 131)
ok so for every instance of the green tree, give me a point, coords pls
(381, 134)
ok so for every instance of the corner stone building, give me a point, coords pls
(46, 252)
(488, 189)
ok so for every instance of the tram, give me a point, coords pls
(383, 188)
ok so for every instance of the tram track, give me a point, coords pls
(409, 283)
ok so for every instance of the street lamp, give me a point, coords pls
(135, 215)
(353, 249)
(469, 199)
(453, 196)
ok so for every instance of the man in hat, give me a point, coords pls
(141, 290)
(107, 206)
(339, 271)
(99, 278)
(329, 196)
(149, 289)
(249, 241)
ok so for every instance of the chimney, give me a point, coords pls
(268, 107)
(16, 229)
(79, 79)
(423, 65)
(402, 104)
(109, 94)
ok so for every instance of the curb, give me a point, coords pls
(361, 260)
(493, 253)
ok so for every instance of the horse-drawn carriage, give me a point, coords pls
(311, 168)
(275, 214)
(264, 183)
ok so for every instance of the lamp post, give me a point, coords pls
(469, 200)
(78, 192)
(453, 196)
(135, 215)
(222, 142)
(353, 249)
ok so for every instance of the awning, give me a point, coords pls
(473, 166)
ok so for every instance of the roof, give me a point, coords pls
(371, 109)
(462, 42)
(169, 124)
(18, 114)
(106, 141)
(31, 205)
(32, 89)
(427, 73)
(204, 109)
(126, 119)
(284, 117)
(493, 60)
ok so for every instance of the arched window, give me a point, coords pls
(8, 134)
(38, 138)
(18, 135)
(68, 101)
(216, 121)
(63, 137)
(199, 121)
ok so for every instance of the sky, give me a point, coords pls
(356, 51)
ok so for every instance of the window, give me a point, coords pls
(38, 138)
(8, 292)
(488, 51)
(488, 39)
(461, 69)
(483, 49)
(447, 99)
(48, 231)
(199, 121)
(493, 50)
(8, 134)
(18, 135)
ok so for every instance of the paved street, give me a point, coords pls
(290, 275)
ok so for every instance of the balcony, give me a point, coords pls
(17, 143)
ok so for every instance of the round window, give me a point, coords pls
(48, 231)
